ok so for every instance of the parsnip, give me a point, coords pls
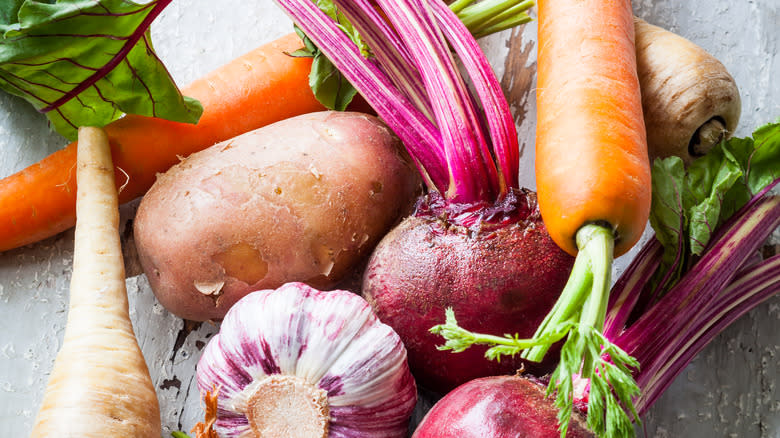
(100, 385)
(689, 100)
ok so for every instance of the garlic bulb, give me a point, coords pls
(297, 362)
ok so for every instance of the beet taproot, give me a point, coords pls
(498, 407)
(499, 276)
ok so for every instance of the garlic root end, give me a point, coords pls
(288, 406)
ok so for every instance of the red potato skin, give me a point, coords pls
(497, 407)
(304, 199)
(503, 279)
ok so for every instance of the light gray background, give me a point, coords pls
(730, 390)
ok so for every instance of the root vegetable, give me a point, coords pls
(497, 407)
(303, 199)
(474, 208)
(475, 228)
(503, 276)
(100, 385)
(593, 178)
(690, 101)
(591, 154)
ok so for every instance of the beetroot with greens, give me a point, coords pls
(476, 241)
(699, 274)
(504, 276)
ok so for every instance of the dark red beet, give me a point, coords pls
(501, 279)
(497, 407)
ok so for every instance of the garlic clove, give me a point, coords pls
(229, 378)
(313, 343)
(335, 319)
(369, 389)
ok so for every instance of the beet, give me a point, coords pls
(500, 275)
(498, 407)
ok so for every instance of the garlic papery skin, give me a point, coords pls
(297, 362)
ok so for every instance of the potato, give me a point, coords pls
(304, 199)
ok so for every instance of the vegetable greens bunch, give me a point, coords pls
(700, 272)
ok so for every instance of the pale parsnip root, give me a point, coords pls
(100, 385)
(689, 100)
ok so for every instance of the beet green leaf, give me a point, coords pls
(86, 62)
(689, 204)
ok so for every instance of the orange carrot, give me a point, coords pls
(257, 89)
(591, 163)
(593, 180)
(100, 385)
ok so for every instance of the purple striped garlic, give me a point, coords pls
(298, 362)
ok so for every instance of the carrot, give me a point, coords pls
(100, 385)
(591, 162)
(254, 90)
(593, 179)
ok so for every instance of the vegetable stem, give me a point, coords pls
(571, 299)
(598, 243)
(465, 146)
(480, 15)
(751, 287)
(587, 289)
(587, 353)
(458, 5)
(503, 25)
(624, 296)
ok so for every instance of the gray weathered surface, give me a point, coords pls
(729, 390)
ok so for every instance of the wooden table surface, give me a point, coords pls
(730, 390)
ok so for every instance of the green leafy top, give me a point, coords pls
(86, 62)
(689, 205)
(327, 83)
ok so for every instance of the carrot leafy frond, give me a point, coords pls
(588, 354)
